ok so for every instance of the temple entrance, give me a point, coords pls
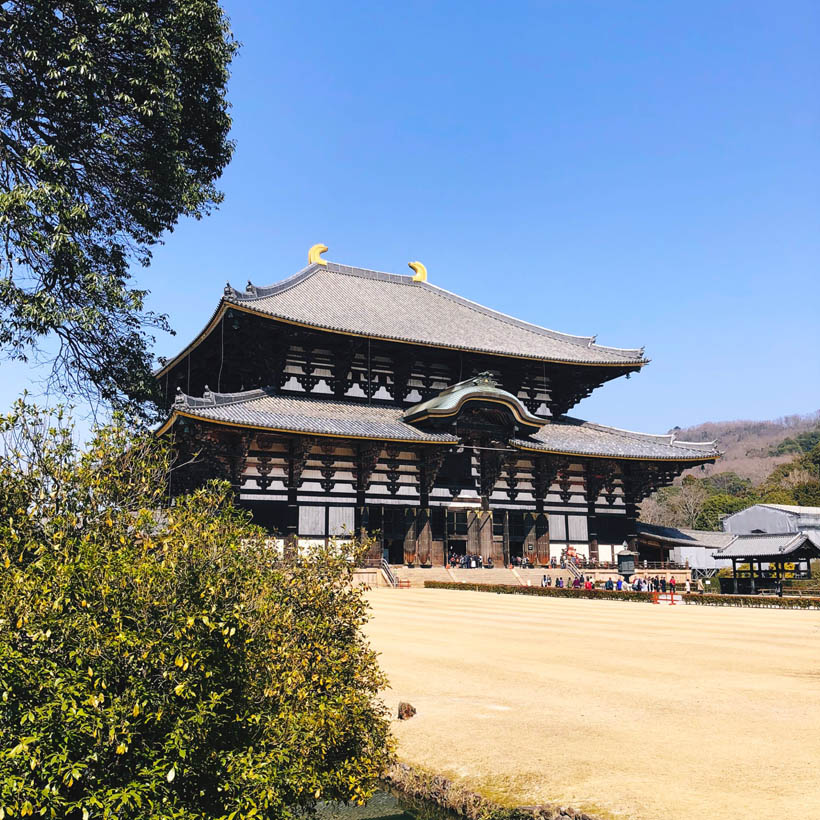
(457, 547)
(517, 535)
(393, 551)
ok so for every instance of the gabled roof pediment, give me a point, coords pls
(481, 389)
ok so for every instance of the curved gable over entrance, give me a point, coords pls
(476, 396)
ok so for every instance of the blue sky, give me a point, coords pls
(645, 171)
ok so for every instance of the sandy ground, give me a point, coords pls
(628, 710)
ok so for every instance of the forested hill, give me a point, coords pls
(774, 462)
(754, 448)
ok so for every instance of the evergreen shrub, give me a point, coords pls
(168, 662)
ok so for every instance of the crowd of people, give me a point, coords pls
(654, 584)
(469, 561)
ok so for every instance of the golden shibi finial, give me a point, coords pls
(315, 255)
(421, 271)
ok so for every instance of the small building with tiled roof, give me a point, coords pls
(761, 561)
(348, 400)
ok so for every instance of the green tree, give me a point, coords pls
(777, 495)
(113, 124)
(807, 494)
(168, 662)
(718, 505)
(729, 482)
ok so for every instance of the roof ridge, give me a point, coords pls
(752, 535)
(667, 438)
(252, 291)
(258, 292)
(211, 398)
(789, 507)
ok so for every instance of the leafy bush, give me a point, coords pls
(168, 662)
(548, 592)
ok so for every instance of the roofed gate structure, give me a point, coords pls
(348, 400)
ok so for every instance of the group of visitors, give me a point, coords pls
(579, 582)
(469, 561)
(656, 584)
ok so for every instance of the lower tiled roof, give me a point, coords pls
(261, 409)
(266, 410)
(685, 537)
(574, 436)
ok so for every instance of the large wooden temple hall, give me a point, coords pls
(344, 400)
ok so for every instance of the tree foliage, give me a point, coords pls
(168, 662)
(799, 444)
(113, 124)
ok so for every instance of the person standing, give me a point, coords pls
(687, 587)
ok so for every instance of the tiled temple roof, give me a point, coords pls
(392, 306)
(265, 410)
(768, 546)
(686, 537)
(574, 436)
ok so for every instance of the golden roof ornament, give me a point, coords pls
(315, 254)
(421, 271)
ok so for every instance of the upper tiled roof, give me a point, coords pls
(263, 409)
(574, 436)
(391, 306)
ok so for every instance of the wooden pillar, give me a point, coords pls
(542, 538)
(734, 574)
(631, 524)
(473, 544)
(292, 522)
(424, 537)
(592, 533)
(530, 538)
(752, 575)
(446, 537)
(507, 557)
(486, 545)
(410, 546)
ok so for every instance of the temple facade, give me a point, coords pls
(343, 400)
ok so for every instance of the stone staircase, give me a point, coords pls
(418, 575)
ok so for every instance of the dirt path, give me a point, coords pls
(631, 710)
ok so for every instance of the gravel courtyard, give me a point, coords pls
(628, 710)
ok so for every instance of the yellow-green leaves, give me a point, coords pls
(162, 649)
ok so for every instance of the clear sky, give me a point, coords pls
(645, 171)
